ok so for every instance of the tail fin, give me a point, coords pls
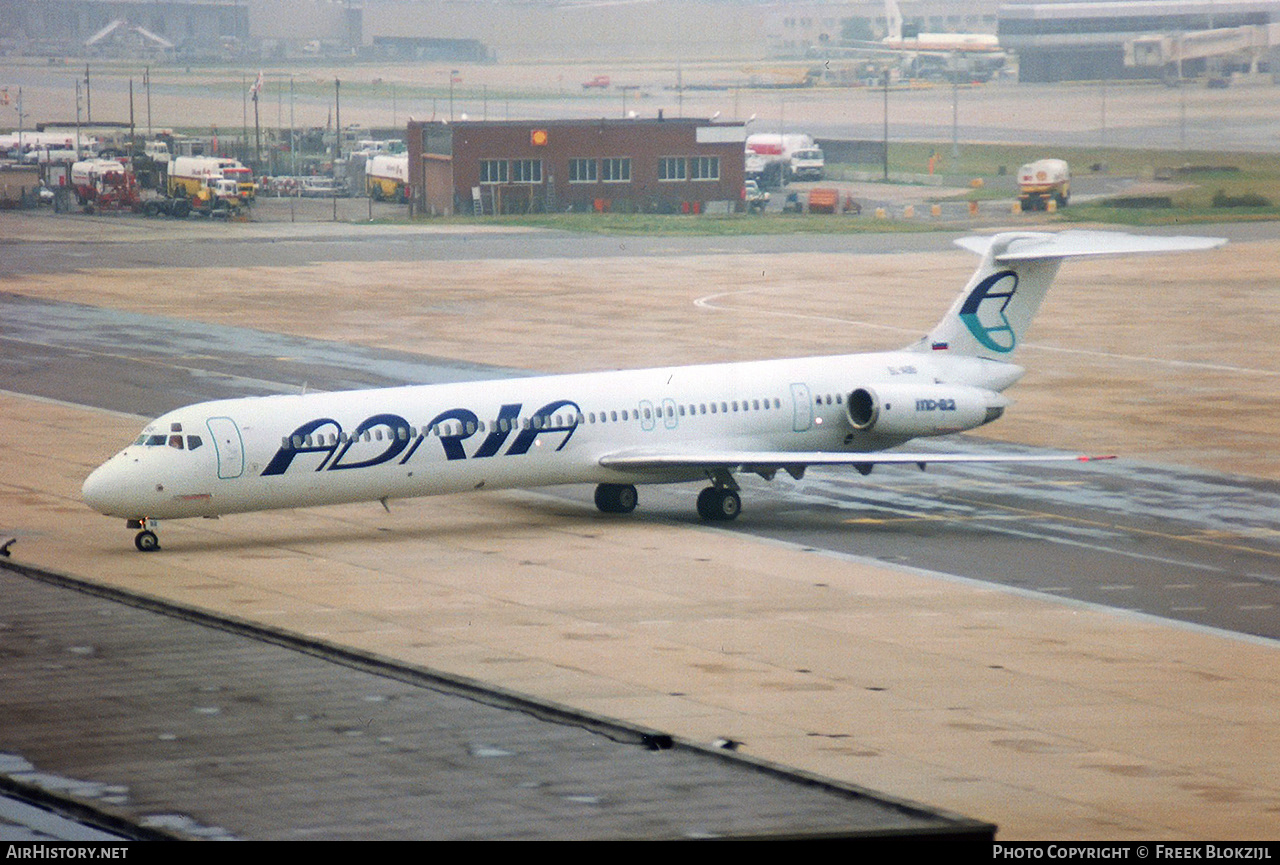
(992, 314)
(893, 20)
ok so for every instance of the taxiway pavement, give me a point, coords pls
(1050, 717)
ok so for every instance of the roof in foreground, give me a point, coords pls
(147, 711)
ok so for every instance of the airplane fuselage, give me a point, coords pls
(263, 453)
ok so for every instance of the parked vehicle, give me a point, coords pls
(104, 184)
(387, 177)
(755, 198)
(190, 174)
(773, 159)
(324, 187)
(1043, 181)
(824, 200)
(197, 189)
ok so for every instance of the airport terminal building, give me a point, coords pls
(1057, 41)
(656, 165)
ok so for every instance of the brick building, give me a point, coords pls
(652, 165)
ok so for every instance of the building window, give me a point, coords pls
(493, 171)
(672, 168)
(582, 171)
(704, 168)
(526, 171)
(615, 170)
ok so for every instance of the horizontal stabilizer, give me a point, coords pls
(1029, 246)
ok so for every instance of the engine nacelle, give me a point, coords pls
(912, 409)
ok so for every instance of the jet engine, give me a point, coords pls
(912, 409)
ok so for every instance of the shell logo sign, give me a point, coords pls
(538, 138)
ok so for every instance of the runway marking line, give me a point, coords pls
(875, 521)
(1197, 538)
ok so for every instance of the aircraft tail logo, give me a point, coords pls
(993, 312)
(983, 311)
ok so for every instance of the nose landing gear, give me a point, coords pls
(147, 541)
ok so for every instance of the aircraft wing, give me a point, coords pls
(764, 462)
(860, 47)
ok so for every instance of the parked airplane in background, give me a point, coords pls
(975, 56)
(903, 38)
(613, 429)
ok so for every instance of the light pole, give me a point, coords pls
(958, 65)
(886, 125)
(21, 116)
(78, 83)
(1182, 104)
(1103, 133)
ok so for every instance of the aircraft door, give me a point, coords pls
(229, 445)
(647, 419)
(802, 403)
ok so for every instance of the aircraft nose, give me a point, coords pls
(104, 489)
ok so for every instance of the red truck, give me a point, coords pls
(102, 184)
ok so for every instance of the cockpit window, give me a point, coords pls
(173, 440)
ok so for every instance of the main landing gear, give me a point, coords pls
(616, 498)
(147, 541)
(718, 503)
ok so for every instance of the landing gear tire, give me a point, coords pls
(616, 498)
(720, 505)
(146, 541)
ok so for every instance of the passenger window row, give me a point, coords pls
(559, 421)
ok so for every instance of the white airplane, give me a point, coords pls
(932, 52)
(615, 429)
